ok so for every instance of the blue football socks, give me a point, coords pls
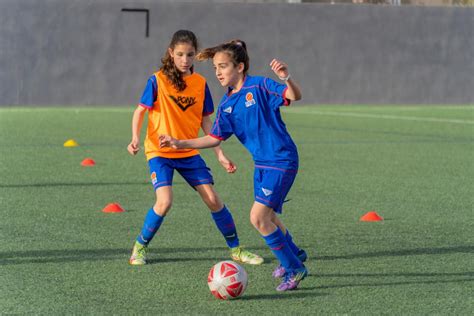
(150, 227)
(280, 248)
(225, 224)
(291, 244)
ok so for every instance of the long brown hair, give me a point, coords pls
(236, 49)
(168, 67)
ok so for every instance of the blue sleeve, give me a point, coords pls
(276, 92)
(149, 94)
(208, 108)
(222, 128)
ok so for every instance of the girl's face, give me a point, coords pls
(183, 57)
(226, 72)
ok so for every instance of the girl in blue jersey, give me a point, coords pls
(250, 110)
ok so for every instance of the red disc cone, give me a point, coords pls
(113, 208)
(88, 162)
(371, 216)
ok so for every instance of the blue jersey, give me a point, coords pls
(253, 115)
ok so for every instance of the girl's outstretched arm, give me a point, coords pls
(226, 163)
(196, 143)
(281, 70)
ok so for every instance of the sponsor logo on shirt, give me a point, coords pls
(267, 192)
(249, 99)
(228, 109)
(154, 180)
(183, 102)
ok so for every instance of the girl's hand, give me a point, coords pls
(168, 141)
(134, 147)
(279, 68)
(228, 165)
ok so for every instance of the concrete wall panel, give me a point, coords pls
(89, 52)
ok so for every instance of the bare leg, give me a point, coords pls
(210, 197)
(164, 200)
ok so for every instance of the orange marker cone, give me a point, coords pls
(371, 216)
(88, 162)
(70, 143)
(113, 208)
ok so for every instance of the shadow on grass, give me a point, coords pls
(290, 295)
(69, 184)
(377, 284)
(402, 253)
(179, 254)
(376, 275)
(158, 255)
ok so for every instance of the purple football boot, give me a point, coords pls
(279, 271)
(291, 279)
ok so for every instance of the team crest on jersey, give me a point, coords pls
(154, 180)
(183, 102)
(249, 100)
(228, 110)
(267, 192)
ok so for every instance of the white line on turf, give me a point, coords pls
(383, 116)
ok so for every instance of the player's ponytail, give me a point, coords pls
(236, 49)
(168, 67)
(207, 53)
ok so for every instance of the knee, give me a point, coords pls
(257, 221)
(213, 202)
(162, 206)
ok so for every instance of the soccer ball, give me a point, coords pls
(227, 280)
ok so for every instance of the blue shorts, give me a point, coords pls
(271, 186)
(193, 169)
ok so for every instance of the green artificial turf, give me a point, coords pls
(414, 165)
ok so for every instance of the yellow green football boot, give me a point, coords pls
(241, 255)
(139, 253)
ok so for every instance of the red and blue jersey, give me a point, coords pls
(253, 115)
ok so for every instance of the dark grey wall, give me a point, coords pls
(89, 52)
